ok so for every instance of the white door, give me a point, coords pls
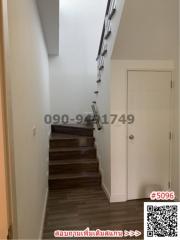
(149, 100)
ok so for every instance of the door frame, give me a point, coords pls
(148, 65)
(7, 120)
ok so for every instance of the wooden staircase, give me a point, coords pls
(72, 157)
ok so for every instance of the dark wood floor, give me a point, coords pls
(73, 209)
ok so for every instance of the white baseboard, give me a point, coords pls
(118, 198)
(103, 185)
(114, 197)
(43, 215)
(111, 197)
(106, 191)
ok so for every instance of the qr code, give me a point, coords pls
(162, 220)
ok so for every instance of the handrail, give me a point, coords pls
(97, 118)
(103, 30)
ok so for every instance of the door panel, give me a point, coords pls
(149, 98)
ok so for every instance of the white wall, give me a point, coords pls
(73, 73)
(103, 138)
(30, 101)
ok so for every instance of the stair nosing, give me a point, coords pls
(63, 139)
(74, 176)
(71, 149)
(75, 126)
(73, 161)
(71, 138)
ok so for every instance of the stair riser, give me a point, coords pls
(73, 168)
(72, 131)
(72, 155)
(72, 143)
(74, 183)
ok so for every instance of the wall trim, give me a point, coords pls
(106, 191)
(118, 198)
(43, 214)
(98, 157)
(103, 185)
(152, 65)
(114, 197)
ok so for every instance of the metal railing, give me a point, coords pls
(103, 30)
(96, 117)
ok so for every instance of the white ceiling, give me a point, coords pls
(49, 11)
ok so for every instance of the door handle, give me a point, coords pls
(131, 137)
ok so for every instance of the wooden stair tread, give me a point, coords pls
(76, 126)
(74, 176)
(71, 149)
(63, 136)
(73, 129)
(72, 161)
